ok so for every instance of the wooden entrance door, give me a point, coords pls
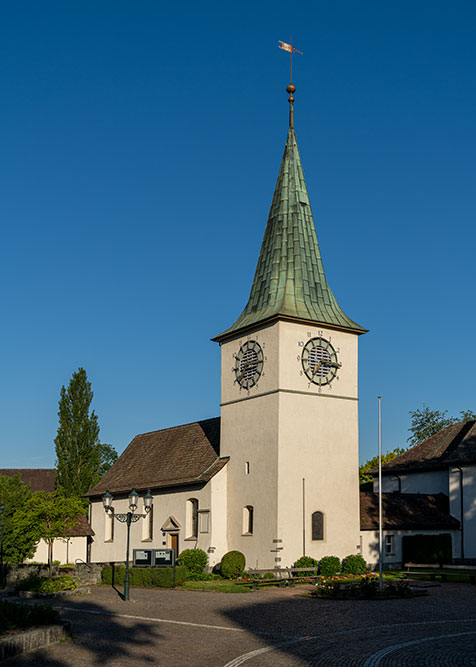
(174, 543)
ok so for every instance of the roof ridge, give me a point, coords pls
(169, 428)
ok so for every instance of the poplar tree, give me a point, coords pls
(80, 455)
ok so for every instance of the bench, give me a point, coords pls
(434, 570)
(283, 576)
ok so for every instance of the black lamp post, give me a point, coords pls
(128, 518)
(2, 580)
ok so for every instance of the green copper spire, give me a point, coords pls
(290, 281)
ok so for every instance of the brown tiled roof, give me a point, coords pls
(39, 479)
(453, 445)
(416, 511)
(177, 456)
(81, 528)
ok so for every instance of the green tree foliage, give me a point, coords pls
(81, 459)
(47, 516)
(371, 464)
(17, 545)
(426, 422)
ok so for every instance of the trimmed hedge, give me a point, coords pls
(329, 566)
(232, 564)
(14, 616)
(148, 577)
(354, 564)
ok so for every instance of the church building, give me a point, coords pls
(275, 476)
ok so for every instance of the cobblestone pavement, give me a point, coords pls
(263, 628)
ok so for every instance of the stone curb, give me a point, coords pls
(33, 639)
(56, 594)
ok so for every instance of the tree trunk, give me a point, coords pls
(50, 558)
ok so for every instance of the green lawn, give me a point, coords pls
(224, 586)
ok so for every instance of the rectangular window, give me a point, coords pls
(247, 468)
(389, 544)
(204, 521)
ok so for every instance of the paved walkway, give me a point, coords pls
(270, 627)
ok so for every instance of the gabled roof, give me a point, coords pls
(453, 445)
(39, 479)
(411, 511)
(80, 529)
(290, 282)
(177, 456)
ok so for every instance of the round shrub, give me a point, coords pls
(329, 566)
(195, 560)
(354, 564)
(232, 564)
(305, 561)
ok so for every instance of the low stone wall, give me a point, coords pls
(15, 573)
(32, 639)
(88, 574)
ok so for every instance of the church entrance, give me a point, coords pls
(173, 543)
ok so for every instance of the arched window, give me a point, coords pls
(192, 518)
(109, 526)
(147, 524)
(248, 513)
(317, 526)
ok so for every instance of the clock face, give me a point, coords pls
(319, 361)
(248, 364)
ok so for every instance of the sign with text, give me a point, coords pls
(164, 557)
(142, 557)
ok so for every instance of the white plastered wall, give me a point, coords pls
(166, 503)
(287, 430)
(369, 541)
(417, 482)
(469, 504)
(65, 550)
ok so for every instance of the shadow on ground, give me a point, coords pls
(99, 636)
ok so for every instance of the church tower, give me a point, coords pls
(289, 400)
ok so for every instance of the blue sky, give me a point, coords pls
(140, 148)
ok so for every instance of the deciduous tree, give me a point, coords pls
(426, 422)
(17, 545)
(48, 516)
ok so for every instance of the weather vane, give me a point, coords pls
(290, 49)
(290, 89)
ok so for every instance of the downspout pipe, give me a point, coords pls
(461, 510)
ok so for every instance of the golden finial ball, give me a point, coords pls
(291, 89)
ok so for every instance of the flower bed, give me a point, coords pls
(364, 588)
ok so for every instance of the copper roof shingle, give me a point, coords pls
(289, 280)
(417, 511)
(176, 456)
(39, 479)
(453, 445)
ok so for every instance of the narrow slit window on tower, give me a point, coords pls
(248, 518)
(247, 468)
(317, 526)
